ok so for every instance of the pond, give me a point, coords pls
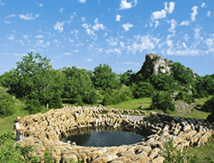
(103, 137)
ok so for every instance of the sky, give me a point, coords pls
(86, 33)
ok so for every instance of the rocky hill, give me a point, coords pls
(155, 64)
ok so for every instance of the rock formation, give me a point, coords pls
(155, 65)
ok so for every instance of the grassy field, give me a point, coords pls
(204, 153)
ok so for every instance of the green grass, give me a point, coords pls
(204, 153)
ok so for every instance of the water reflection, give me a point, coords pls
(103, 136)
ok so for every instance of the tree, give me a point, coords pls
(78, 83)
(34, 79)
(182, 74)
(126, 78)
(162, 101)
(6, 103)
(142, 89)
(104, 78)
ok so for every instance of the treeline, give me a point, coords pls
(39, 85)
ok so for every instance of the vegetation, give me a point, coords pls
(34, 86)
(162, 101)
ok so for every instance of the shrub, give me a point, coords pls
(33, 106)
(209, 105)
(6, 103)
(162, 101)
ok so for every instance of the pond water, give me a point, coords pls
(103, 137)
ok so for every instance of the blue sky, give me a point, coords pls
(86, 33)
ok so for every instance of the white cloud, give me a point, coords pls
(208, 13)
(41, 43)
(83, 19)
(127, 5)
(61, 10)
(197, 35)
(98, 26)
(141, 43)
(173, 23)
(67, 53)
(162, 13)
(82, 1)
(1, 3)
(7, 22)
(203, 4)
(171, 7)
(127, 26)
(12, 16)
(158, 15)
(185, 23)
(185, 52)
(112, 41)
(59, 26)
(194, 13)
(169, 43)
(118, 17)
(28, 16)
(89, 60)
(11, 37)
(40, 5)
(39, 36)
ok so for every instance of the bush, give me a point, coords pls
(12, 154)
(209, 105)
(6, 103)
(56, 102)
(171, 154)
(33, 106)
(162, 101)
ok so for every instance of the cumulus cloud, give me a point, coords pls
(194, 13)
(158, 15)
(39, 36)
(88, 30)
(42, 43)
(11, 37)
(28, 16)
(59, 26)
(162, 13)
(186, 23)
(173, 23)
(40, 5)
(208, 13)
(61, 10)
(127, 5)
(82, 1)
(203, 4)
(118, 17)
(171, 7)
(98, 26)
(127, 26)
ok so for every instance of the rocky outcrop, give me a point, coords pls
(43, 131)
(155, 65)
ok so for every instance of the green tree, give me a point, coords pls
(162, 101)
(142, 89)
(78, 83)
(126, 78)
(205, 86)
(103, 77)
(34, 79)
(182, 74)
(6, 103)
